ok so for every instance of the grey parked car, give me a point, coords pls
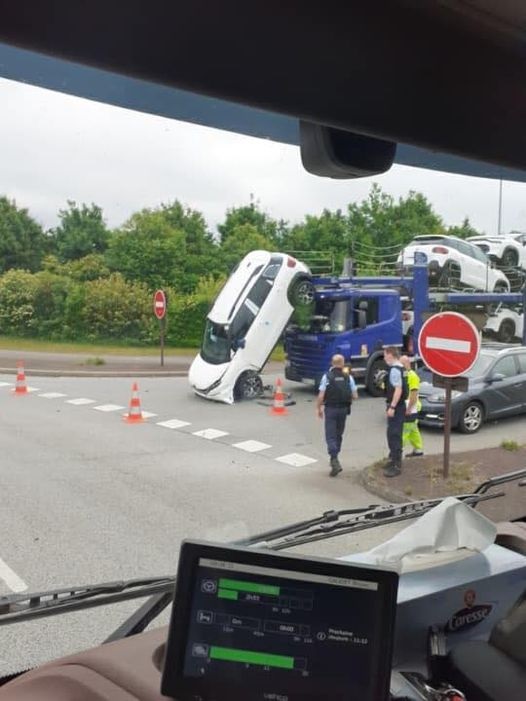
(497, 388)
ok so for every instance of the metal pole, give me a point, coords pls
(447, 426)
(161, 329)
(499, 226)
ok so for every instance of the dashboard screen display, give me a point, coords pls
(282, 633)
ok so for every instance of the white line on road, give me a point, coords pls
(296, 460)
(81, 401)
(210, 433)
(448, 344)
(33, 389)
(13, 581)
(6, 384)
(147, 414)
(109, 407)
(252, 446)
(173, 423)
(52, 395)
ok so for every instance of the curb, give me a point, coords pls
(97, 373)
(367, 479)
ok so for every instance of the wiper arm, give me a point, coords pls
(18, 607)
(365, 519)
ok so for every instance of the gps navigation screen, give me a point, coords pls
(283, 634)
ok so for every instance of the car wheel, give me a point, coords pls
(510, 258)
(374, 383)
(500, 287)
(301, 293)
(248, 386)
(506, 332)
(472, 418)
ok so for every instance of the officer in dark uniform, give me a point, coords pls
(396, 392)
(337, 390)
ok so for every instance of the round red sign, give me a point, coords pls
(159, 304)
(449, 344)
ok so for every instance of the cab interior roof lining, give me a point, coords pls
(445, 76)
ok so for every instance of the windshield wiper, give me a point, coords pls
(18, 607)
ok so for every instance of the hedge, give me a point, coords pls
(57, 307)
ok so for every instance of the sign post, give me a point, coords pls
(159, 309)
(449, 345)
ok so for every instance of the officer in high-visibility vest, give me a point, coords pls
(396, 393)
(336, 392)
(411, 434)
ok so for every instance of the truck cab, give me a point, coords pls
(353, 321)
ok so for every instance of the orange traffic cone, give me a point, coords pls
(278, 406)
(20, 386)
(134, 416)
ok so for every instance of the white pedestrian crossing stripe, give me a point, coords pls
(6, 384)
(173, 423)
(211, 433)
(296, 460)
(252, 446)
(147, 414)
(52, 395)
(108, 407)
(81, 401)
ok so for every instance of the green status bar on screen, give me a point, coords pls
(264, 659)
(251, 587)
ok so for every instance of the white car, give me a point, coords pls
(508, 250)
(245, 323)
(453, 262)
(505, 324)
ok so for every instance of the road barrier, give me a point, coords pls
(20, 385)
(134, 416)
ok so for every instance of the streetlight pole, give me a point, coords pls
(499, 226)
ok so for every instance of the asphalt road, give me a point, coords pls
(89, 498)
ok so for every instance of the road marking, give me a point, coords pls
(210, 433)
(147, 414)
(13, 581)
(52, 395)
(109, 407)
(173, 423)
(6, 384)
(296, 460)
(33, 389)
(81, 401)
(448, 344)
(252, 446)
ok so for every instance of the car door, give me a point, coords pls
(503, 388)
(476, 266)
(521, 359)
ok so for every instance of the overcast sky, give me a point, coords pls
(55, 147)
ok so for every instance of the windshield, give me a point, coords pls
(481, 365)
(216, 343)
(129, 419)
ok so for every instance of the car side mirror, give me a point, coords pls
(239, 343)
(362, 318)
(496, 377)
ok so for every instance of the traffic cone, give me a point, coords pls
(20, 386)
(278, 406)
(134, 416)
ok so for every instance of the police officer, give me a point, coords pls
(336, 392)
(397, 392)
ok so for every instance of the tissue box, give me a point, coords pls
(466, 598)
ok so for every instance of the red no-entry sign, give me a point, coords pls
(449, 344)
(159, 304)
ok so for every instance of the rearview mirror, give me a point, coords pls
(362, 318)
(496, 377)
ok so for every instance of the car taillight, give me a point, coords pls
(291, 262)
(440, 249)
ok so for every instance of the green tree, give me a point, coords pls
(241, 240)
(380, 226)
(327, 234)
(148, 249)
(463, 230)
(22, 241)
(81, 231)
(250, 214)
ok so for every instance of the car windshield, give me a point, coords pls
(216, 343)
(139, 407)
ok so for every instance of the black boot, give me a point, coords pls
(336, 468)
(393, 469)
